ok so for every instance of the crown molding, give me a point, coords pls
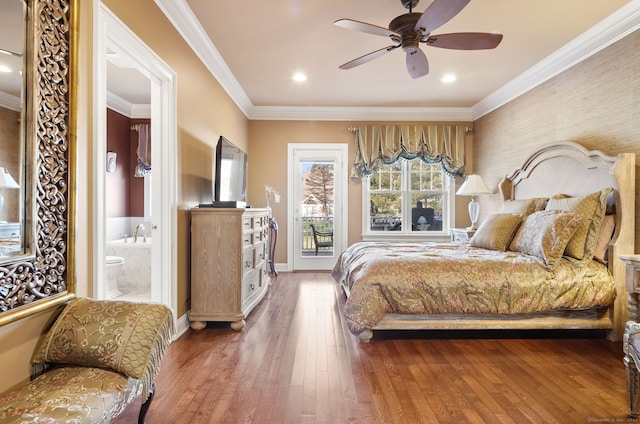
(118, 104)
(140, 111)
(181, 16)
(10, 101)
(615, 27)
(125, 108)
(309, 113)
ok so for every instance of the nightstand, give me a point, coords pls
(632, 283)
(461, 235)
(633, 272)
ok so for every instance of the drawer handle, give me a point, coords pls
(247, 264)
(252, 287)
(262, 256)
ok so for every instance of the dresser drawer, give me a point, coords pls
(247, 239)
(247, 223)
(259, 236)
(250, 285)
(263, 221)
(248, 260)
(260, 254)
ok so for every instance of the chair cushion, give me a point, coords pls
(70, 394)
(125, 337)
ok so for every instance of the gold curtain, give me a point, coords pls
(378, 145)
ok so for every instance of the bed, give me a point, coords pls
(549, 259)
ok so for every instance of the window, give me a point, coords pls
(408, 191)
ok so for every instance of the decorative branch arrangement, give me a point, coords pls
(270, 193)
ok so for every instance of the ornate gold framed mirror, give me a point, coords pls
(38, 274)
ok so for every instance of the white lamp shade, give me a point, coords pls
(473, 185)
(6, 180)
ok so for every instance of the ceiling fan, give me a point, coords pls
(411, 29)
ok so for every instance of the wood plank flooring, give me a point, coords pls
(296, 362)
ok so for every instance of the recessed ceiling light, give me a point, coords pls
(299, 77)
(448, 78)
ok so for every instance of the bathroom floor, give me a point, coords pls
(134, 294)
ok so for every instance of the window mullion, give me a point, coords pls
(406, 197)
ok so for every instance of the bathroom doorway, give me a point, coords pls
(135, 86)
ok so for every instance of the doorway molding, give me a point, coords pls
(114, 34)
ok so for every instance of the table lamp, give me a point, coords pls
(473, 185)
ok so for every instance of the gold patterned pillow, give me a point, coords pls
(125, 337)
(496, 232)
(544, 236)
(592, 207)
(604, 238)
(524, 206)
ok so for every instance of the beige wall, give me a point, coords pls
(595, 103)
(268, 141)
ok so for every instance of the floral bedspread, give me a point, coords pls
(453, 278)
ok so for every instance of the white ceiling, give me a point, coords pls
(254, 47)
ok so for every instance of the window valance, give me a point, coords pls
(378, 145)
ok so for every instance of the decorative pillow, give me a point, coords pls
(524, 206)
(496, 232)
(125, 337)
(545, 234)
(592, 207)
(604, 237)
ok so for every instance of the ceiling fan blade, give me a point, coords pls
(367, 57)
(465, 41)
(439, 13)
(417, 63)
(364, 27)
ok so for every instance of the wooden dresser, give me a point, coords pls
(229, 257)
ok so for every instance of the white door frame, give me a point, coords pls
(112, 33)
(340, 198)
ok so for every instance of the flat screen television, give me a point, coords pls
(230, 179)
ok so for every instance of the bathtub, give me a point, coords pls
(136, 272)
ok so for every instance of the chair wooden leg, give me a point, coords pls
(145, 406)
(632, 386)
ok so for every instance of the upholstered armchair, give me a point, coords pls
(97, 357)
(631, 348)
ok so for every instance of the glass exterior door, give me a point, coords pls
(318, 186)
(316, 208)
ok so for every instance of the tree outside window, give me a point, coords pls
(318, 184)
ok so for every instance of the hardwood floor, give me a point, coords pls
(296, 362)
